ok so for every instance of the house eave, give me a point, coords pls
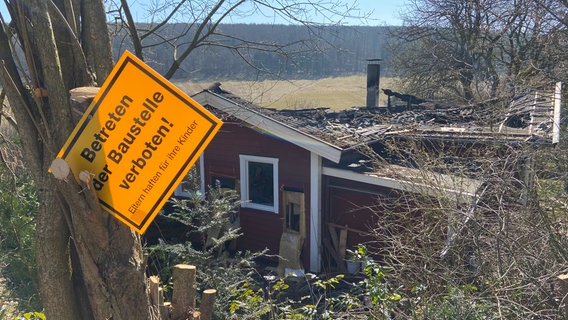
(461, 191)
(269, 125)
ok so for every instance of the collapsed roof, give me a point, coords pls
(337, 135)
(531, 117)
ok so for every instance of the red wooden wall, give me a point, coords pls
(260, 229)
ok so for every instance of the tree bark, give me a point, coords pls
(96, 39)
(44, 38)
(52, 235)
(90, 265)
(52, 254)
(110, 257)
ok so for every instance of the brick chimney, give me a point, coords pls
(373, 78)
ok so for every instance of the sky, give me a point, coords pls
(384, 12)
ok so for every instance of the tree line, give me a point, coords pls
(268, 51)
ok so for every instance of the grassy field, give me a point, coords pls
(335, 93)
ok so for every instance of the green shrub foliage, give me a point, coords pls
(18, 207)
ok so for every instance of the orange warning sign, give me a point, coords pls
(138, 138)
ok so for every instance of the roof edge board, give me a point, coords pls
(397, 184)
(269, 125)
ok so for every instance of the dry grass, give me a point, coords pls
(335, 93)
(8, 305)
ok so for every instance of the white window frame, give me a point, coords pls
(245, 199)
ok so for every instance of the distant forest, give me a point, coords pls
(340, 50)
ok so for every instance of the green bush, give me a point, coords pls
(208, 234)
(18, 207)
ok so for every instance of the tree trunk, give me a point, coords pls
(96, 39)
(90, 265)
(110, 257)
(52, 255)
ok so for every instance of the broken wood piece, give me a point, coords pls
(161, 296)
(342, 244)
(153, 289)
(183, 300)
(289, 254)
(333, 253)
(60, 169)
(83, 94)
(80, 99)
(156, 294)
(207, 303)
(40, 92)
(91, 195)
(360, 232)
(333, 235)
(86, 177)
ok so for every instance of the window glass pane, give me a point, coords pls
(223, 182)
(293, 216)
(261, 183)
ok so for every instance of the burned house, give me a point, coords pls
(308, 184)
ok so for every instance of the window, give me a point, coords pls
(225, 183)
(294, 210)
(292, 217)
(259, 183)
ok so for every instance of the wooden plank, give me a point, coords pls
(360, 232)
(342, 244)
(333, 234)
(333, 253)
(289, 254)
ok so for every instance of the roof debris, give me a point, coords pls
(526, 118)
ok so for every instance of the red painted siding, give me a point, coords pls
(355, 205)
(260, 229)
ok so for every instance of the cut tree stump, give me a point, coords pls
(183, 300)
